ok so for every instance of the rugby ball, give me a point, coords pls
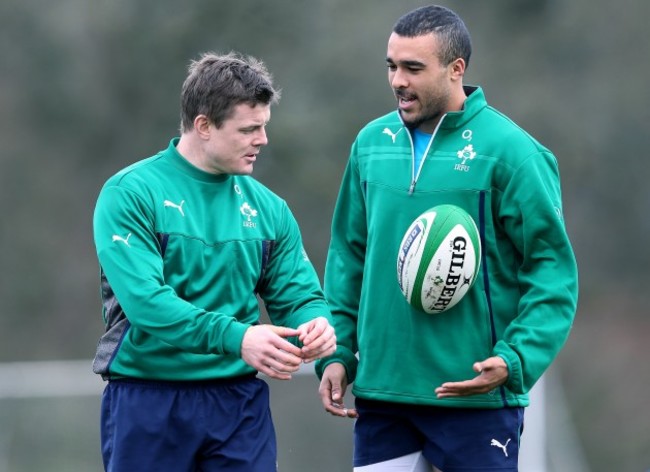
(439, 258)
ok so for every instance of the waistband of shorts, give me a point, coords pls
(190, 384)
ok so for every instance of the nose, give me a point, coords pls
(260, 138)
(397, 79)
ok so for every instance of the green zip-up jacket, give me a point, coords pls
(524, 301)
(184, 255)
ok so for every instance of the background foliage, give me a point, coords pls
(89, 87)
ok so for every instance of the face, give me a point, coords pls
(233, 147)
(421, 84)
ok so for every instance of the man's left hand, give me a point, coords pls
(318, 339)
(493, 372)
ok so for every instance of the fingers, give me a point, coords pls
(283, 331)
(318, 338)
(332, 390)
(493, 372)
(313, 329)
(280, 368)
(264, 349)
(275, 368)
(280, 342)
(459, 389)
(317, 350)
(339, 409)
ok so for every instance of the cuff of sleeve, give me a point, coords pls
(232, 338)
(311, 311)
(343, 356)
(515, 381)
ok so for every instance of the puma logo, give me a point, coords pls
(496, 443)
(391, 134)
(121, 239)
(168, 203)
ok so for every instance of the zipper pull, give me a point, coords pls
(412, 187)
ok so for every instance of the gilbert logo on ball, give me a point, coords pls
(439, 258)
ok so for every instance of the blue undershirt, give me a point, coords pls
(420, 143)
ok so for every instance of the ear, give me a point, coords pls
(202, 126)
(457, 69)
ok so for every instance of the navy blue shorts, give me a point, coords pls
(452, 439)
(188, 426)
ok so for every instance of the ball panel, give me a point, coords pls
(437, 229)
(408, 260)
(451, 272)
(474, 234)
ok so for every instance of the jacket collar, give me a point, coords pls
(474, 103)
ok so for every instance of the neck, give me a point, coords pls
(190, 150)
(455, 102)
(457, 99)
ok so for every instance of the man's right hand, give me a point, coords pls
(265, 349)
(332, 390)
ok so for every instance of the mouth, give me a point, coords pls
(405, 100)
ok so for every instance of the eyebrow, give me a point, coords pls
(255, 125)
(252, 126)
(407, 63)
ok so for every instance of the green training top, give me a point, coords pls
(524, 301)
(183, 255)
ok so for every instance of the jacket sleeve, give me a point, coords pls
(531, 215)
(291, 290)
(344, 267)
(133, 266)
